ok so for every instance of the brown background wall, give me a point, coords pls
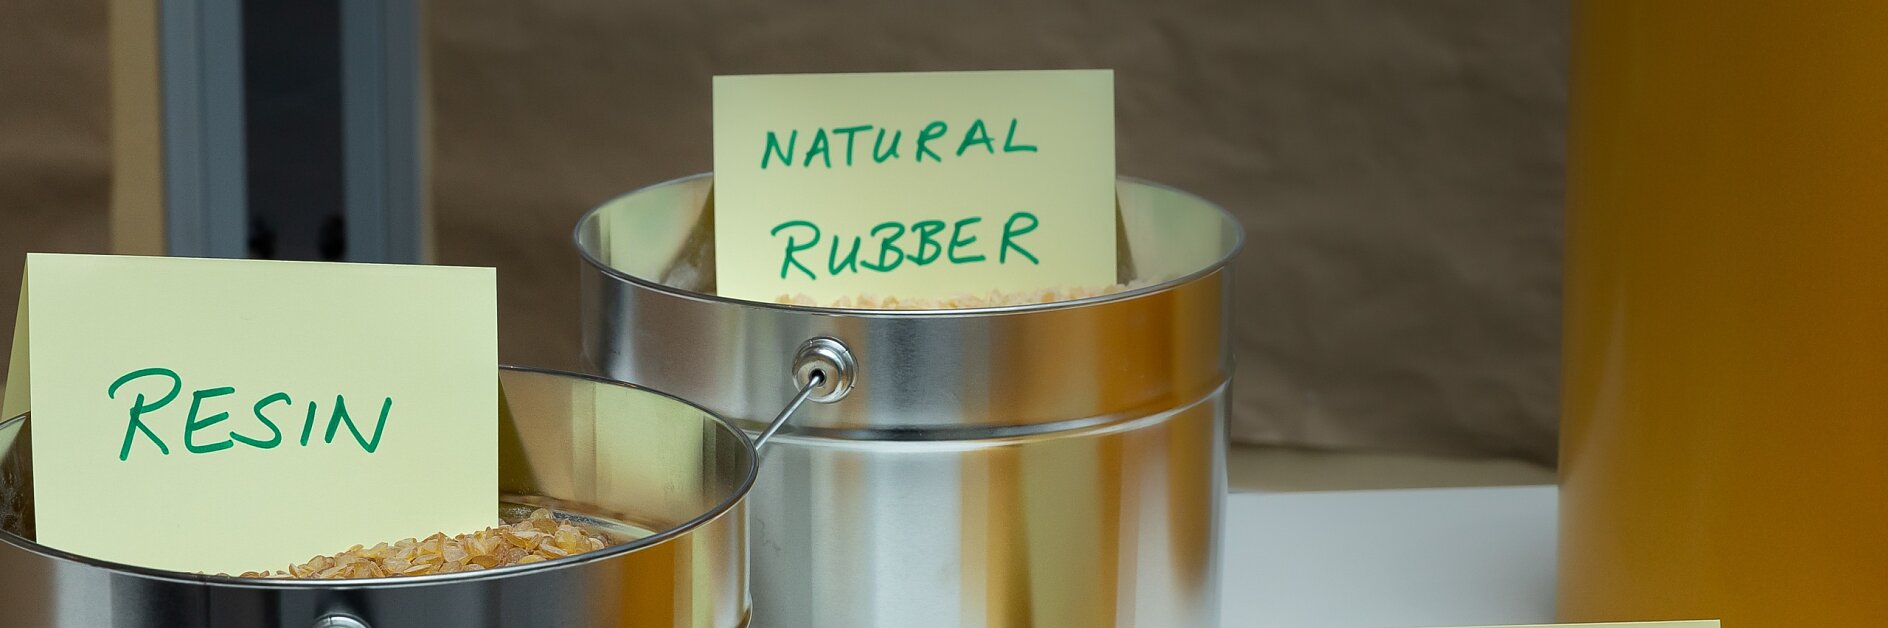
(1397, 166)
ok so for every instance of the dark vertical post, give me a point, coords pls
(292, 129)
(292, 97)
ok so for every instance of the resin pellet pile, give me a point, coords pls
(537, 538)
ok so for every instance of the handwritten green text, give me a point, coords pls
(897, 244)
(845, 146)
(197, 436)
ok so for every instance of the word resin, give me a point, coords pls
(197, 439)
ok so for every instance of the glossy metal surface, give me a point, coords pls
(1046, 466)
(584, 447)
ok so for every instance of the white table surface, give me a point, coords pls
(1390, 559)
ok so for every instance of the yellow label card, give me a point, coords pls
(923, 185)
(237, 415)
(1711, 623)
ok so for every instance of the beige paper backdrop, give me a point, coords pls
(1397, 166)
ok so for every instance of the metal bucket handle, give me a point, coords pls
(823, 369)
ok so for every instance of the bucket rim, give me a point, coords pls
(1218, 265)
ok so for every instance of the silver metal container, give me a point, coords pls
(627, 461)
(1056, 465)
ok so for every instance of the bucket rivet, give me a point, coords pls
(833, 361)
(339, 621)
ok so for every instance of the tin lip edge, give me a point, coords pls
(1224, 261)
(1004, 435)
(739, 494)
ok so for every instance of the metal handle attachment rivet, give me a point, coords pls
(339, 621)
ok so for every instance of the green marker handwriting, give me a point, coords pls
(198, 437)
(781, 149)
(895, 245)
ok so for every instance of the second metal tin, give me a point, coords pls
(1053, 465)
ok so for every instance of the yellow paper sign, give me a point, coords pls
(924, 185)
(1711, 623)
(237, 415)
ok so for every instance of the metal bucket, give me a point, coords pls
(626, 461)
(1055, 465)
